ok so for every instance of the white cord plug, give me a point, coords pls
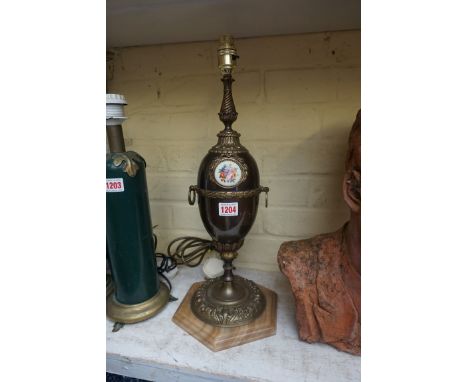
(213, 267)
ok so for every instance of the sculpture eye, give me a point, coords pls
(354, 182)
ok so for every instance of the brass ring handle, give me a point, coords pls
(192, 195)
(266, 190)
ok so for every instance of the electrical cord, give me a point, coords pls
(167, 264)
(186, 250)
(197, 249)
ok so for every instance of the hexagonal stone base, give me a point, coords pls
(216, 338)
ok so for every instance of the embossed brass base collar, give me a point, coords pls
(195, 190)
(228, 304)
(129, 314)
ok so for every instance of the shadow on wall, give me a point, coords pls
(305, 180)
(317, 155)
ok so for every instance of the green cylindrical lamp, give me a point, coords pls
(138, 294)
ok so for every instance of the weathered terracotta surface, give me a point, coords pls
(325, 271)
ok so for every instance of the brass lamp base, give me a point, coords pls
(129, 314)
(228, 303)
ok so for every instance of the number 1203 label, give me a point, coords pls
(115, 185)
(228, 209)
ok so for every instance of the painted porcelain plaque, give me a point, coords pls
(228, 173)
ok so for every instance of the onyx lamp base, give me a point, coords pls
(218, 338)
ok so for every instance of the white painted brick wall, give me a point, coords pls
(296, 96)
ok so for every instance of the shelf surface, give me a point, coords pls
(158, 350)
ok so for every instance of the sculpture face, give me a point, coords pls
(325, 271)
(352, 178)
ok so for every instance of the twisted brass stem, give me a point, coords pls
(228, 113)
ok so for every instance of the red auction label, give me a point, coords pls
(115, 185)
(228, 209)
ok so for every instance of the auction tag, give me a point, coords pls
(228, 209)
(115, 185)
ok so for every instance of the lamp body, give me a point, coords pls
(229, 228)
(129, 229)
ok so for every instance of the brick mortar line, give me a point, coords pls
(118, 81)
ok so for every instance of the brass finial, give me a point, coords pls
(227, 54)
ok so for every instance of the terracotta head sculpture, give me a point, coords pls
(325, 271)
(352, 193)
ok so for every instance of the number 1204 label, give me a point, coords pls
(228, 209)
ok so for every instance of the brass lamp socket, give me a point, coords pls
(227, 55)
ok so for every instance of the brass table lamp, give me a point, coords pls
(228, 190)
